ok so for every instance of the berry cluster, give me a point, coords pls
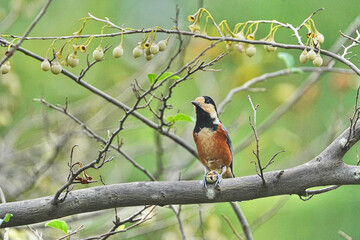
(315, 39)
(147, 46)
(247, 32)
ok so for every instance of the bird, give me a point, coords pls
(212, 141)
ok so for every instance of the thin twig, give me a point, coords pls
(201, 223)
(27, 32)
(241, 217)
(351, 38)
(268, 214)
(237, 235)
(344, 235)
(81, 227)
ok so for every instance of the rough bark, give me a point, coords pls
(327, 168)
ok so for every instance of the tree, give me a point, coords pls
(151, 104)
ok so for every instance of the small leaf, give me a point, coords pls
(167, 74)
(6, 218)
(288, 59)
(180, 117)
(151, 77)
(121, 227)
(58, 224)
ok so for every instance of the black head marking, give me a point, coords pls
(203, 118)
(209, 100)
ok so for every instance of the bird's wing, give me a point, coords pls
(228, 141)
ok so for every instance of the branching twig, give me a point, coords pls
(351, 38)
(353, 122)
(145, 218)
(258, 167)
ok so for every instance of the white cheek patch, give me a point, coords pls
(215, 118)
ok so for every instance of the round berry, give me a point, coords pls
(250, 50)
(5, 68)
(147, 50)
(195, 28)
(311, 55)
(319, 38)
(270, 48)
(230, 46)
(303, 57)
(137, 52)
(240, 47)
(73, 60)
(154, 48)
(118, 52)
(56, 68)
(45, 65)
(162, 45)
(149, 56)
(318, 61)
(98, 53)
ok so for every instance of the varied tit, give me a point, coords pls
(212, 141)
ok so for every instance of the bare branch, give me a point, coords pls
(350, 38)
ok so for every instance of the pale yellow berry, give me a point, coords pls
(303, 57)
(162, 45)
(45, 65)
(318, 61)
(118, 52)
(137, 52)
(270, 48)
(240, 47)
(154, 48)
(56, 68)
(250, 50)
(73, 60)
(5, 68)
(311, 55)
(149, 56)
(230, 46)
(195, 28)
(319, 38)
(147, 50)
(98, 53)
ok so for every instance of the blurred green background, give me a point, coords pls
(28, 130)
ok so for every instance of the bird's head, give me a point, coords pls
(206, 109)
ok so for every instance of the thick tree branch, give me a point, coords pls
(327, 168)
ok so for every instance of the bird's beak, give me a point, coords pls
(195, 103)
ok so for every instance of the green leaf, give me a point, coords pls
(288, 59)
(58, 224)
(180, 117)
(167, 74)
(6, 218)
(151, 77)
